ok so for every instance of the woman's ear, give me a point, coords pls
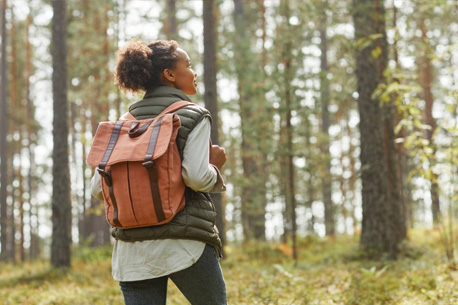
(169, 75)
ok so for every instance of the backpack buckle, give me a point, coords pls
(102, 172)
(106, 176)
(149, 164)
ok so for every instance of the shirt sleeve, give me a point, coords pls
(96, 186)
(197, 172)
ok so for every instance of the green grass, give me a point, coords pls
(329, 271)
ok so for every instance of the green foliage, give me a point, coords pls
(86, 254)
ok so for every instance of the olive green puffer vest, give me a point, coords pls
(197, 220)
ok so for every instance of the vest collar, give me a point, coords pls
(166, 91)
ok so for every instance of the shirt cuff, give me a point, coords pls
(220, 185)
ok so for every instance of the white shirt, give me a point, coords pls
(141, 260)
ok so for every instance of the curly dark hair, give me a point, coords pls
(139, 66)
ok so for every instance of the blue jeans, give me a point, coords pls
(201, 284)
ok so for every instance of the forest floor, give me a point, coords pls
(329, 271)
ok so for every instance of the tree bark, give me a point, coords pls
(211, 97)
(21, 214)
(33, 229)
(61, 205)
(170, 28)
(310, 181)
(13, 129)
(426, 79)
(98, 225)
(83, 219)
(290, 176)
(3, 135)
(253, 186)
(383, 223)
(403, 156)
(325, 122)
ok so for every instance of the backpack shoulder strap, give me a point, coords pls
(172, 108)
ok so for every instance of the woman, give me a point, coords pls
(187, 249)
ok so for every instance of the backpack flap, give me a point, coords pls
(112, 143)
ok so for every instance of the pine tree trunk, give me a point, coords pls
(310, 181)
(31, 142)
(324, 99)
(83, 219)
(383, 223)
(61, 205)
(352, 180)
(118, 10)
(98, 226)
(211, 97)
(253, 186)
(74, 160)
(403, 156)
(290, 177)
(3, 135)
(16, 144)
(11, 247)
(170, 28)
(21, 214)
(426, 77)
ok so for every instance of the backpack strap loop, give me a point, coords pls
(111, 144)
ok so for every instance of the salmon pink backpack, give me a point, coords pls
(140, 167)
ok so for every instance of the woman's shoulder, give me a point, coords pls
(193, 114)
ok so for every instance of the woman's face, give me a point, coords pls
(182, 76)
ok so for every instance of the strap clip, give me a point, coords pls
(106, 176)
(149, 164)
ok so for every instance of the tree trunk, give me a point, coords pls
(310, 181)
(170, 28)
(119, 8)
(83, 219)
(33, 249)
(290, 176)
(403, 155)
(61, 205)
(253, 186)
(211, 97)
(74, 160)
(324, 99)
(98, 225)
(426, 77)
(14, 129)
(21, 213)
(11, 247)
(383, 223)
(3, 135)
(352, 180)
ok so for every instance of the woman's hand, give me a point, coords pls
(217, 156)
